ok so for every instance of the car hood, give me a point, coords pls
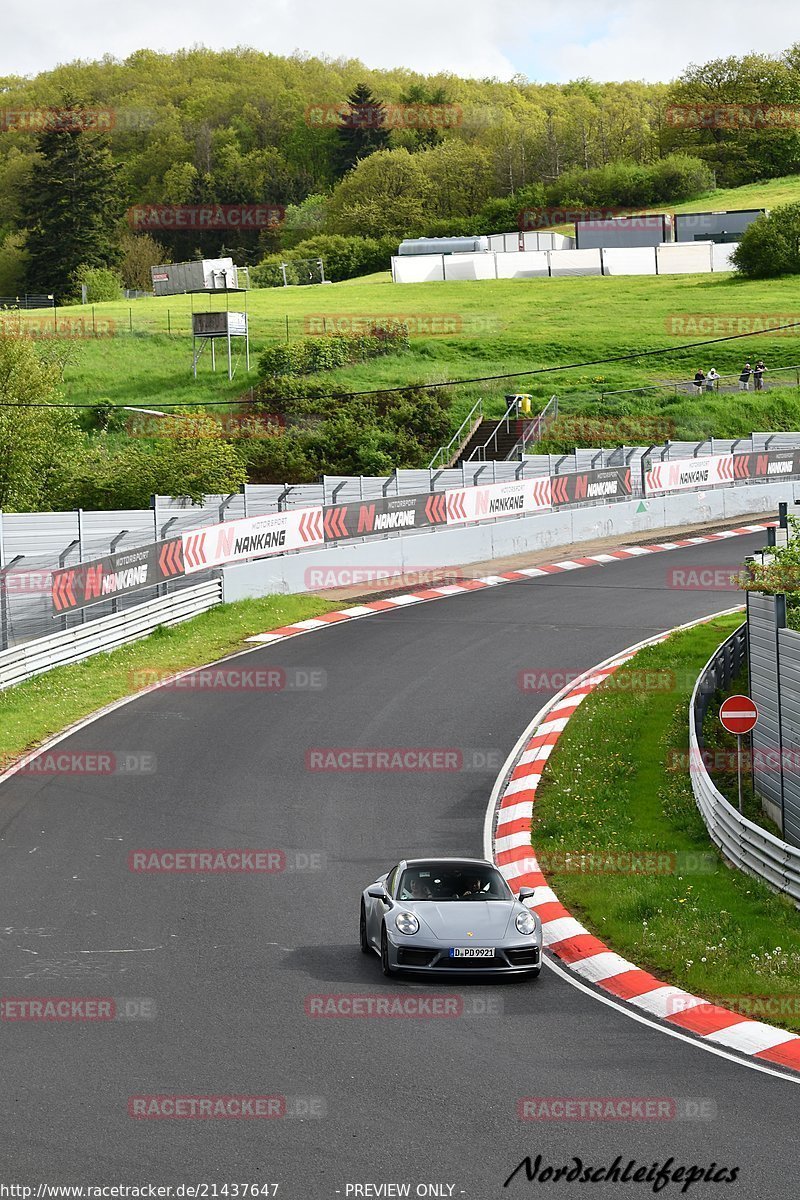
(455, 919)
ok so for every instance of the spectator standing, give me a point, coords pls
(711, 379)
(699, 380)
(744, 378)
(758, 374)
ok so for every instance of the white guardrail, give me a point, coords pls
(747, 845)
(106, 633)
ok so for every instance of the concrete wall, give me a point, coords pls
(455, 546)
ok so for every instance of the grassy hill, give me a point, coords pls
(497, 327)
(491, 328)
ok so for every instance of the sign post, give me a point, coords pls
(738, 715)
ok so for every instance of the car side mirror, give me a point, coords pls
(379, 893)
(526, 893)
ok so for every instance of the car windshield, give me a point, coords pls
(427, 881)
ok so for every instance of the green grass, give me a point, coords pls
(34, 710)
(608, 789)
(506, 326)
(503, 326)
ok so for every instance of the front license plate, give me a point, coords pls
(472, 952)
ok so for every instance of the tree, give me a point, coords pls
(12, 264)
(140, 253)
(33, 440)
(387, 193)
(460, 176)
(426, 101)
(126, 476)
(771, 245)
(71, 209)
(362, 130)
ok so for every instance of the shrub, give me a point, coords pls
(343, 258)
(101, 284)
(771, 245)
(630, 185)
(325, 353)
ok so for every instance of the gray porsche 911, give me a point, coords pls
(449, 916)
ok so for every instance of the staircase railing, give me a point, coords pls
(481, 453)
(446, 455)
(532, 433)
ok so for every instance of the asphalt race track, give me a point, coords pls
(228, 960)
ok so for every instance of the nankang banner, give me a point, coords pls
(610, 483)
(116, 574)
(252, 537)
(497, 500)
(682, 474)
(388, 514)
(768, 464)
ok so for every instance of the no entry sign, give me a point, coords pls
(738, 714)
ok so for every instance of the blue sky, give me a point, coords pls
(554, 40)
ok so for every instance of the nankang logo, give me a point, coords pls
(259, 541)
(696, 475)
(608, 488)
(395, 520)
(507, 504)
(120, 580)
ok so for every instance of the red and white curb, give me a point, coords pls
(473, 585)
(507, 837)
(367, 610)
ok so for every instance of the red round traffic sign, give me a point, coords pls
(738, 714)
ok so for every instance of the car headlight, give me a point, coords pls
(526, 923)
(407, 923)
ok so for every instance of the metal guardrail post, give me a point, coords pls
(114, 543)
(225, 504)
(4, 622)
(62, 560)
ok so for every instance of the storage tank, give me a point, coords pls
(444, 245)
(202, 275)
(645, 229)
(715, 226)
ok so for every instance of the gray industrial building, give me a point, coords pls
(647, 229)
(444, 245)
(715, 226)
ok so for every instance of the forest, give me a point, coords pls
(436, 154)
